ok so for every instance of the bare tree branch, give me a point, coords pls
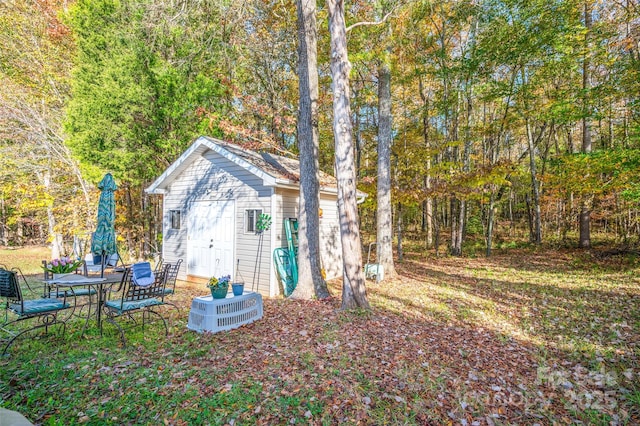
(359, 24)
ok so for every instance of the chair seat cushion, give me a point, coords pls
(84, 292)
(37, 306)
(168, 291)
(77, 292)
(130, 305)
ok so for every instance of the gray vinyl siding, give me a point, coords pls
(330, 247)
(214, 178)
(287, 205)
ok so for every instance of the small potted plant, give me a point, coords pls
(62, 266)
(219, 286)
(238, 285)
(238, 288)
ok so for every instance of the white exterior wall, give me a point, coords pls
(213, 177)
(330, 246)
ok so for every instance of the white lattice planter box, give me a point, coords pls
(209, 314)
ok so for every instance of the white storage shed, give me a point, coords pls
(212, 196)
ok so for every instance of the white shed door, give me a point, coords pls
(210, 239)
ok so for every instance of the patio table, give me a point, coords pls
(101, 285)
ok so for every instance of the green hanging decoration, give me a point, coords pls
(264, 223)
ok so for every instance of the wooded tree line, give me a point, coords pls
(506, 119)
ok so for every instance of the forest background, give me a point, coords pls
(513, 121)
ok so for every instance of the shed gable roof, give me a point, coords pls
(274, 170)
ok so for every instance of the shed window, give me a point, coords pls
(252, 219)
(175, 219)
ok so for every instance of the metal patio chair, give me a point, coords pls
(44, 311)
(171, 275)
(91, 267)
(134, 299)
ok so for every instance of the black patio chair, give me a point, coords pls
(171, 275)
(159, 265)
(94, 264)
(135, 298)
(43, 310)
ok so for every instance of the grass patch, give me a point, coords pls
(528, 336)
(28, 259)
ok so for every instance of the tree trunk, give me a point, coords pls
(537, 231)
(359, 141)
(436, 227)
(56, 238)
(466, 167)
(456, 227)
(4, 237)
(427, 206)
(462, 223)
(384, 218)
(568, 216)
(130, 218)
(310, 281)
(428, 213)
(399, 224)
(529, 217)
(512, 222)
(490, 219)
(147, 214)
(354, 293)
(585, 208)
(585, 224)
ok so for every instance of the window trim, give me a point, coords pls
(251, 227)
(175, 216)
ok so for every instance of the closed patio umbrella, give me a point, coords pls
(103, 242)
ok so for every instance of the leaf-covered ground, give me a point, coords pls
(521, 338)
